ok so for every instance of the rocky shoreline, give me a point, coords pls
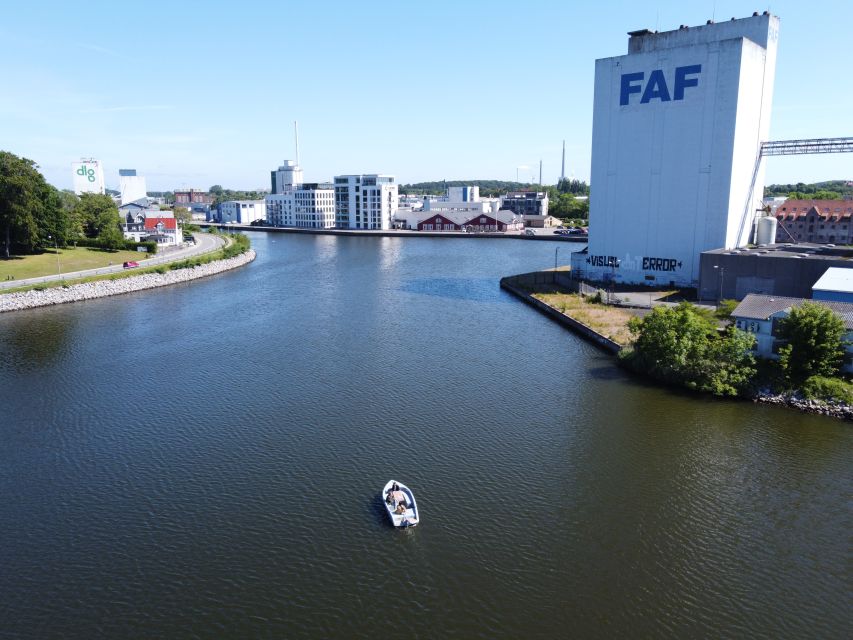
(102, 288)
(795, 401)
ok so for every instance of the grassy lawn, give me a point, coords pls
(71, 259)
(606, 320)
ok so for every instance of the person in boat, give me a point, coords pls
(399, 497)
(401, 508)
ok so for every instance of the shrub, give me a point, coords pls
(823, 388)
(680, 345)
(815, 342)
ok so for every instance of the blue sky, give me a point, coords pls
(194, 94)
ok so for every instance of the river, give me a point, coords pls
(205, 461)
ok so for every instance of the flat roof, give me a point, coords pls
(792, 250)
(835, 279)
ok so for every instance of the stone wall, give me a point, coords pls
(102, 288)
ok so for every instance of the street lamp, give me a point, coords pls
(722, 276)
(556, 251)
(613, 265)
(58, 264)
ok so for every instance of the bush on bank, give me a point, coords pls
(129, 245)
(682, 346)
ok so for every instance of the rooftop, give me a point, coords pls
(835, 279)
(798, 250)
(756, 306)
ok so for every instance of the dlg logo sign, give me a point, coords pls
(656, 87)
(88, 172)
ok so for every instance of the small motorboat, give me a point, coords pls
(400, 504)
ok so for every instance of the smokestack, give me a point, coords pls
(540, 173)
(296, 137)
(563, 172)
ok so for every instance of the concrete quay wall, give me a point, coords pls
(519, 285)
(102, 288)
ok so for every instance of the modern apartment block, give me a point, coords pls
(526, 203)
(309, 205)
(365, 201)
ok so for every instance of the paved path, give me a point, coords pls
(205, 243)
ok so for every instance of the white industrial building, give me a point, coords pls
(677, 128)
(88, 176)
(242, 211)
(285, 177)
(131, 186)
(463, 200)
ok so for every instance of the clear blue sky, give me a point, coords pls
(207, 93)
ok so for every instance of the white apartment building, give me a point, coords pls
(365, 201)
(309, 205)
(242, 211)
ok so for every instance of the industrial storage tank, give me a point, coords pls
(766, 233)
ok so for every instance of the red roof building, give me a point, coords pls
(819, 221)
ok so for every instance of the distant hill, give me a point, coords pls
(827, 190)
(491, 188)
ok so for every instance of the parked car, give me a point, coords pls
(130, 264)
(529, 232)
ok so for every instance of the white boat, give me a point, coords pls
(400, 503)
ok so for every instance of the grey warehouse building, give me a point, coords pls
(775, 269)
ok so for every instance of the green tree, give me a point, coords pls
(27, 204)
(728, 366)
(681, 345)
(725, 309)
(815, 342)
(94, 211)
(183, 216)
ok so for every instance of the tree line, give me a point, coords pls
(221, 195)
(35, 215)
(827, 190)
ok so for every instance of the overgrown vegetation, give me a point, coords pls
(681, 345)
(828, 389)
(609, 321)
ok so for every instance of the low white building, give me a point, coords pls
(242, 211)
(759, 314)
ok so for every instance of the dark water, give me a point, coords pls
(205, 461)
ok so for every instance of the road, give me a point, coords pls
(205, 243)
